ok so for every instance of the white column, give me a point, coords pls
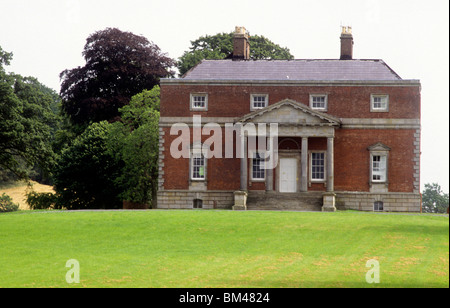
(304, 163)
(269, 170)
(244, 176)
(330, 164)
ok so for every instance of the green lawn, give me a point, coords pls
(222, 249)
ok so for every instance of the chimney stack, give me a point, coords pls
(346, 43)
(241, 44)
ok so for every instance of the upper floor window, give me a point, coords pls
(259, 101)
(379, 103)
(199, 101)
(318, 101)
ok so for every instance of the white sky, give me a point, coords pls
(411, 36)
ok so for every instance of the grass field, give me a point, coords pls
(17, 191)
(222, 249)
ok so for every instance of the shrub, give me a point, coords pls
(6, 204)
(85, 172)
(41, 201)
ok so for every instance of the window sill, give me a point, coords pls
(257, 108)
(258, 180)
(317, 181)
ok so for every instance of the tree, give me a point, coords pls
(27, 121)
(118, 66)
(134, 142)
(85, 173)
(111, 162)
(220, 46)
(434, 200)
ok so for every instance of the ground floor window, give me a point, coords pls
(197, 166)
(378, 168)
(258, 166)
(379, 154)
(317, 166)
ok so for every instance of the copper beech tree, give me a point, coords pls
(118, 65)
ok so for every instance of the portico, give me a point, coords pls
(298, 124)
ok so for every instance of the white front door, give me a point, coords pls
(288, 175)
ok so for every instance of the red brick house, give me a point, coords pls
(348, 134)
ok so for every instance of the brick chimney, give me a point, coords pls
(241, 44)
(346, 43)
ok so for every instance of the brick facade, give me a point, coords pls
(343, 101)
(349, 132)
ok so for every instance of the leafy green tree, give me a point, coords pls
(111, 162)
(434, 200)
(220, 46)
(134, 142)
(27, 122)
(85, 173)
(118, 65)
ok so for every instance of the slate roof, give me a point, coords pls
(332, 70)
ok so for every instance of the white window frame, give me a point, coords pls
(311, 101)
(194, 155)
(324, 167)
(384, 103)
(193, 102)
(378, 167)
(262, 160)
(252, 101)
(379, 172)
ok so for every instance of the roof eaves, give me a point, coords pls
(403, 82)
(391, 70)
(192, 68)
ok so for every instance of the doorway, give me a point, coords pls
(288, 175)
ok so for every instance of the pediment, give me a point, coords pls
(380, 147)
(289, 112)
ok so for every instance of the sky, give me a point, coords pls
(411, 36)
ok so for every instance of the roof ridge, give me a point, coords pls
(295, 69)
(288, 60)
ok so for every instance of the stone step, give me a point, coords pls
(275, 201)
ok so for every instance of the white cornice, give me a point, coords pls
(349, 123)
(219, 82)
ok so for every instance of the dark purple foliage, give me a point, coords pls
(118, 66)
